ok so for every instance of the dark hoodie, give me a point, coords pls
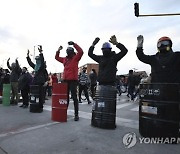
(15, 71)
(107, 65)
(165, 68)
(41, 75)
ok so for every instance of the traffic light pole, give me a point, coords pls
(136, 11)
(147, 15)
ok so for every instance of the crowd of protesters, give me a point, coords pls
(20, 79)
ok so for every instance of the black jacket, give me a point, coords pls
(165, 68)
(41, 76)
(107, 65)
(15, 72)
(93, 78)
(24, 81)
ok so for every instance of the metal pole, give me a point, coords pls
(34, 55)
(146, 15)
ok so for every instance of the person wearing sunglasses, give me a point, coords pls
(164, 64)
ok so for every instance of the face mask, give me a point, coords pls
(13, 65)
(164, 49)
(38, 65)
(106, 52)
(70, 55)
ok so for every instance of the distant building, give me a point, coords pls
(90, 66)
(143, 74)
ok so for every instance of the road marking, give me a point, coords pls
(86, 115)
(27, 129)
(135, 109)
(47, 107)
(123, 105)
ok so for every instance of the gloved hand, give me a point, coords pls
(113, 40)
(140, 40)
(28, 53)
(71, 43)
(60, 48)
(95, 41)
(40, 48)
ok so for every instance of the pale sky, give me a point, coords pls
(51, 23)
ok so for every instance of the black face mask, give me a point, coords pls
(164, 49)
(13, 65)
(70, 55)
(106, 52)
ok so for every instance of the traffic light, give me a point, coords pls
(136, 9)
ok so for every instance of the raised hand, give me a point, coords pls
(113, 40)
(40, 48)
(60, 48)
(95, 41)
(28, 53)
(140, 40)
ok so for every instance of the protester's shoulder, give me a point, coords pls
(114, 54)
(177, 53)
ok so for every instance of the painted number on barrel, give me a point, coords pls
(62, 101)
(37, 100)
(155, 92)
(32, 98)
(149, 109)
(101, 104)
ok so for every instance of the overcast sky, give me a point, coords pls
(51, 23)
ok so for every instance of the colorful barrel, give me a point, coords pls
(59, 102)
(6, 94)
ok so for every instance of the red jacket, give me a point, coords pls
(70, 64)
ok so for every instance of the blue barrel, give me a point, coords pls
(104, 107)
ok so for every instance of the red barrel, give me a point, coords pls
(59, 102)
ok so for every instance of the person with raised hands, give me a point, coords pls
(14, 76)
(70, 75)
(164, 64)
(40, 76)
(108, 61)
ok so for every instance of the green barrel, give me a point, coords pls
(6, 94)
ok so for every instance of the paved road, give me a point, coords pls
(22, 132)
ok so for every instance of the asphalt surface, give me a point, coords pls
(23, 132)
